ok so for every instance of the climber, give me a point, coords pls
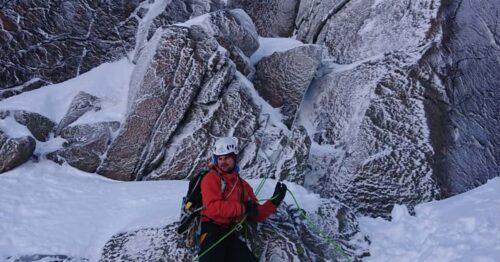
(223, 210)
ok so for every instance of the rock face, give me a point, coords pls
(47, 42)
(15, 151)
(273, 18)
(293, 165)
(181, 65)
(46, 258)
(283, 78)
(297, 241)
(81, 104)
(171, 82)
(156, 244)
(57, 40)
(85, 145)
(356, 30)
(40, 126)
(460, 75)
(367, 117)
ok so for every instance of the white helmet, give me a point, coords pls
(225, 145)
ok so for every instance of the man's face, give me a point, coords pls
(226, 163)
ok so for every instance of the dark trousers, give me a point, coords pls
(230, 249)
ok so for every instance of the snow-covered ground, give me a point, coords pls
(50, 209)
(465, 227)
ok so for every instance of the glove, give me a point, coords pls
(279, 194)
(250, 208)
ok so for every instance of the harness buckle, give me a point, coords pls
(238, 227)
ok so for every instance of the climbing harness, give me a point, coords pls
(309, 222)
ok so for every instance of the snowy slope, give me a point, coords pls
(56, 209)
(461, 228)
(109, 81)
(52, 209)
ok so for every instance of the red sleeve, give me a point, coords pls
(264, 210)
(215, 205)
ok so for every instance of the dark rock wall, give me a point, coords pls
(462, 80)
(54, 40)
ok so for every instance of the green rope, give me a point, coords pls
(315, 227)
(320, 232)
(239, 225)
(197, 258)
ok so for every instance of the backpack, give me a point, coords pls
(190, 223)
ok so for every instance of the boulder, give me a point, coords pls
(272, 18)
(86, 132)
(15, 151)
(181, 67)
(82, 103)
(85, 145)
(234, 28)
(40, 126)
(85, 156)
(283, 78)
(189, 150)
(165, 83)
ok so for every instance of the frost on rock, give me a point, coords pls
(46, 258)
(355, 30)
(285, 236)
(460, 76)
(283, 78)
(39, 125)
(375, 136)
(169, 85)
(272, 18)
(312, 16)
(324, 235)
(158, 14)
(234, 28)
(52, 41)
(183, 70)
(150, 244)
(82, 103)
(85, 145)
(15, 151)
(190, 149)
(292, 165)
(220, 73)
(242, 62)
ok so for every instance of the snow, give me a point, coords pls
(202, 20)
(275, 116)
(268, 46)
(12, 128)
(109, 81)
(465, 227)
(52, 209)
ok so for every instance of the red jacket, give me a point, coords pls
(228, 208)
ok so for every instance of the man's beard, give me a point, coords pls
(226, 168)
